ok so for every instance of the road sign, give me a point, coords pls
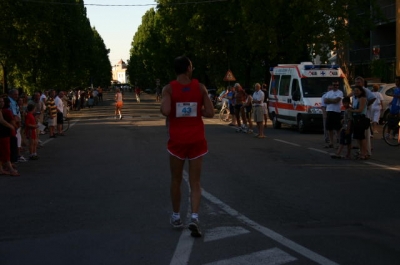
(229, 76)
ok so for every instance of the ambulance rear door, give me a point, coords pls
(280, 99)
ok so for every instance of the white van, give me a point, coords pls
(295, 93)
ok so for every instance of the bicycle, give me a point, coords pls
(65, 126)
(391, 131)
(224, 114)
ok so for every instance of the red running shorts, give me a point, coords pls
(187, 150)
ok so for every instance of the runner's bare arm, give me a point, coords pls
(165, 107)
(208, 110)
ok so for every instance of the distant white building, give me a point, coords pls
(119, 74)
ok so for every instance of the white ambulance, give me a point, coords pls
(295, 93)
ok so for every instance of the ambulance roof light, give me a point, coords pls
(321, 66)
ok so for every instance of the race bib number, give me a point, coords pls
(186, 109)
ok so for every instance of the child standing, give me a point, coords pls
(346, 130)
(30, 128)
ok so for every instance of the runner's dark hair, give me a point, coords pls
(181, 64)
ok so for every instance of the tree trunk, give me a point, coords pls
(5, 81)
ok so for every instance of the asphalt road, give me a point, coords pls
(100, 195)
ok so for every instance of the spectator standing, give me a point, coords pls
(224, 99)
(77, 105)
(184, 102)
(15, 109)
(158, 93)
(60, 112)
(40, 108)
(359, 111)
(333, 101)
(43, 97)
(22, 142)
(6, 129)
(258, 100)
(240, 96)
(30, 130)
(394, 107)
(100, 94)
(90, 99)
(118, 103)
(9, 117)
(323, 108)
(376, 108)
(231, 102)
(346, 131)
(51, 113)
(265, 104)
(96, 96)
(248, 109)
(66, 102)
(359, 81)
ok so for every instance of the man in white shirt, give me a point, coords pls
(258, 100)
(60, 109)
(323, 108)
(333, 101)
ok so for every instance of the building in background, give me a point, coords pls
(377, 58)
(119, 73)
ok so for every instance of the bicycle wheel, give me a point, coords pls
(224, 115)
(390, 136)
(66, 125)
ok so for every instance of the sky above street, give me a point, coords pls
(117, 22)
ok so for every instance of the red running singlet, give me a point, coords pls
(185, 120)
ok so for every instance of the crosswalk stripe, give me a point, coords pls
(223, 232)
(273, 256)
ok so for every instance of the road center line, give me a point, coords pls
(317, 150)
(285, 142)
(383, 166)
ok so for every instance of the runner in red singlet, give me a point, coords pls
(184, 102)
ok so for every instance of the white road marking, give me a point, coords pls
(273, 256)
(269, 233)
(278, 140)
(184, 247)
(317, 150)
(223, 232)
(185, 244)
(383, 166)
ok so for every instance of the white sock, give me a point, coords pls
(195, 216)
(176, 216)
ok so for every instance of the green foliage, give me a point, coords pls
(246, 36)
(45, 45)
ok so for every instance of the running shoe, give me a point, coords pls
(22, 159)
(34, 157)
(194, 228)
(176, 223)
